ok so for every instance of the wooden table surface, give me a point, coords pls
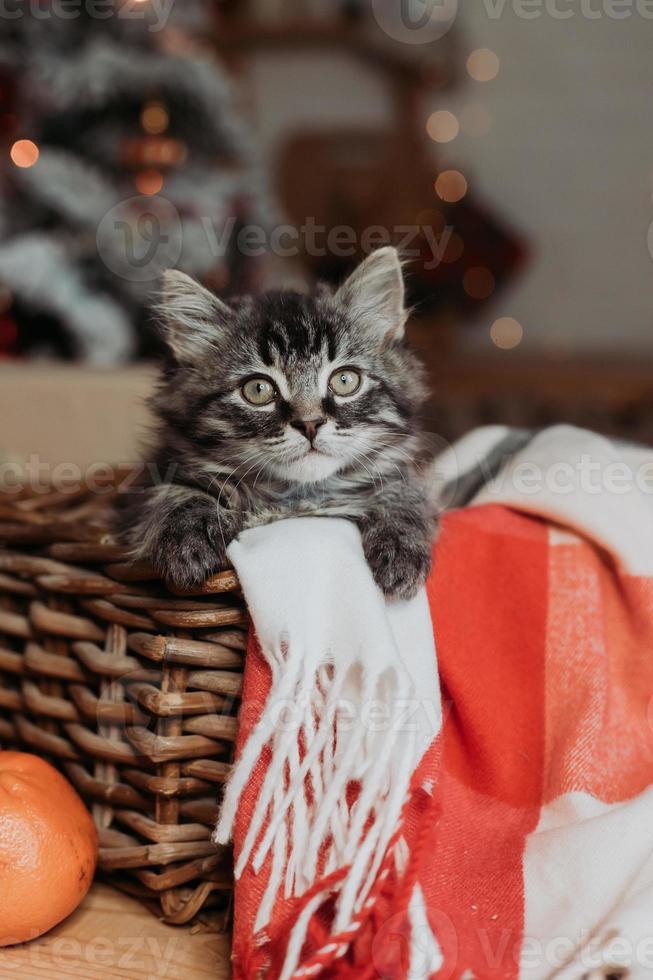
(112, 936)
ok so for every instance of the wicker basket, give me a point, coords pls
(130, 690)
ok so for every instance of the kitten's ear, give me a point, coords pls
(191, 315)
(374, 294)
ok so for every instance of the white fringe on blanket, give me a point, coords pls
(354, 699)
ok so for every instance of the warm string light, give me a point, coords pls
(442, 126)
(155, 118)
(483, 65)
(24, 153)
(451, 186)
(149, 182)
(506, 333)
(154, 153)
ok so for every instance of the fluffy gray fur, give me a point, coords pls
(226, 464)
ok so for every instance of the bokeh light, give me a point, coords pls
(442, 126)
(475, 119)
(24, 153)
(483, 65)
(451, 186)
(149, 182)
(506, 333)
(155, 118)
(478, 282)
(453, 249)
(431, 218)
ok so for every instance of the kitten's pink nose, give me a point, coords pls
(308, 427)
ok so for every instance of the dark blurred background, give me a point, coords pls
(504, 144)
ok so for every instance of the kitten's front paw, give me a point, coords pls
(399, 559)
(189, 549)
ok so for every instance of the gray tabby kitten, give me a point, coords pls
(282, 406)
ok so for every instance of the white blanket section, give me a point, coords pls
(354, 681)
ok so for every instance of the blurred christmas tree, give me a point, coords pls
(122, 155)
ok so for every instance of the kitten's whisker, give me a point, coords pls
(359, 460)
(381, 475)
(371, 460)
(215, 477)
(249, 470)
(401, 452)
(401, 475)
(218, 505)
(226, 480)
(404, 453)
(231, 473)
(256, 478)
(221, 472)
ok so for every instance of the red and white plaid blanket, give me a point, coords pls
(522, 843)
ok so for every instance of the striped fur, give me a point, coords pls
(227, 465)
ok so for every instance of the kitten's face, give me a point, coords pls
(294, 387)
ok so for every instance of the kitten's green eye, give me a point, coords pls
(259, 391)
(345, 381)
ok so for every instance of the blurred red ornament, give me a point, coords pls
(153, 151)
(464, 279)
(8, 335)
(478, 282)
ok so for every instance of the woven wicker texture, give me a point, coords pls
(130, 690)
